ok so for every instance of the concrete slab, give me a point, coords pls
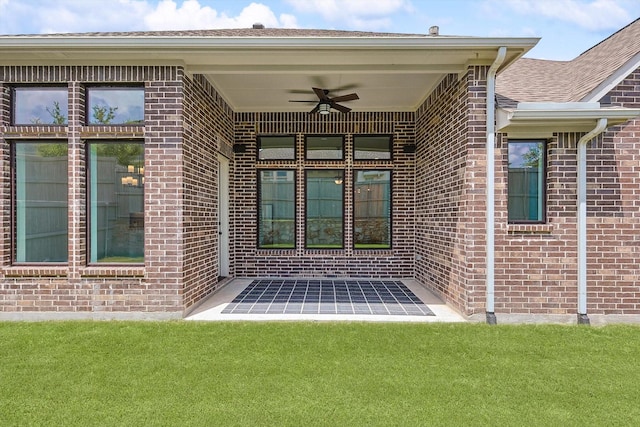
(212, 308)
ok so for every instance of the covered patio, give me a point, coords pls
(315, 299)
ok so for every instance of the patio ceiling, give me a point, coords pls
(265, 73)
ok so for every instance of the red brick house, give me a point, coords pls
(144, 171)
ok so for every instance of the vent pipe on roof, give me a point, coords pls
(258, 26)
(434, 31)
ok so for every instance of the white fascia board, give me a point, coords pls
(29, 42)
(554, 118)
(614, 80)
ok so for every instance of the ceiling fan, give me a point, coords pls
(325, 103)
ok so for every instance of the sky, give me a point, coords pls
(566, 27)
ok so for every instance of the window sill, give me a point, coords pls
(36, 131)
(113, 271)
(35, 271)
(112, 131)
(520, 229)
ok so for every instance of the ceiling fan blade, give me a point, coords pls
(320, 93)
(340, 107)
(315, 109)
(349, 97)
(308, 102)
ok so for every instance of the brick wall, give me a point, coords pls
(78, 287)
(208, 130)
(536, 265)
(438, 202)
(300, 262)
(450, 196)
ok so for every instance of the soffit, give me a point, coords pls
(265, 73)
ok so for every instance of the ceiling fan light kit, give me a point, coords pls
(324, 108)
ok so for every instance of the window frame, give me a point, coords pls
(33, 86)
(353, 226)
(306, 209)
(306, 147)
(14, 202)
(89, 174)
(259, 202)
(374, 135)
(543, 186)
(112, 87)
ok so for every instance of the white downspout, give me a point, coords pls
(490, 149)
(582, 219)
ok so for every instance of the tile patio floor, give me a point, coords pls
(318, 299)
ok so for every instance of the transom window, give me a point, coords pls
(40, 105)
(372, 147)
(324, 147)
(277, 147)
(115, 105)
(526, 181)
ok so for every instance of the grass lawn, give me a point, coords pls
(317, 374)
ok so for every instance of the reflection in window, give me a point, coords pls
(372, 209)
(372, 147)
(276, 221)
(115, 105)
(116, 224)
(526, 181)
(324, 148)
(40, 106)
(324, 208)
(41, 187)
(277, 147)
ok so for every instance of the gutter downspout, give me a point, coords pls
(582, 219)
(490, 214)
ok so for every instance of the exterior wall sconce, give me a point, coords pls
(338, 180)
(409, 148)
(239, 148)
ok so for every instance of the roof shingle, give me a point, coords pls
(536, 80)
(238, 32)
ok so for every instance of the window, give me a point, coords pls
(324, 148)
(324, 209)
(372, 209)
(526, 181)
(40, 202)
(40, 106)
(277, 207)
(277, 147)
(115, 105)
(116, 197)
(372, 147)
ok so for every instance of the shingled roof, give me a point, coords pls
(226, 33)
(536, 80)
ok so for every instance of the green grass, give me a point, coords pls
(316, 374)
